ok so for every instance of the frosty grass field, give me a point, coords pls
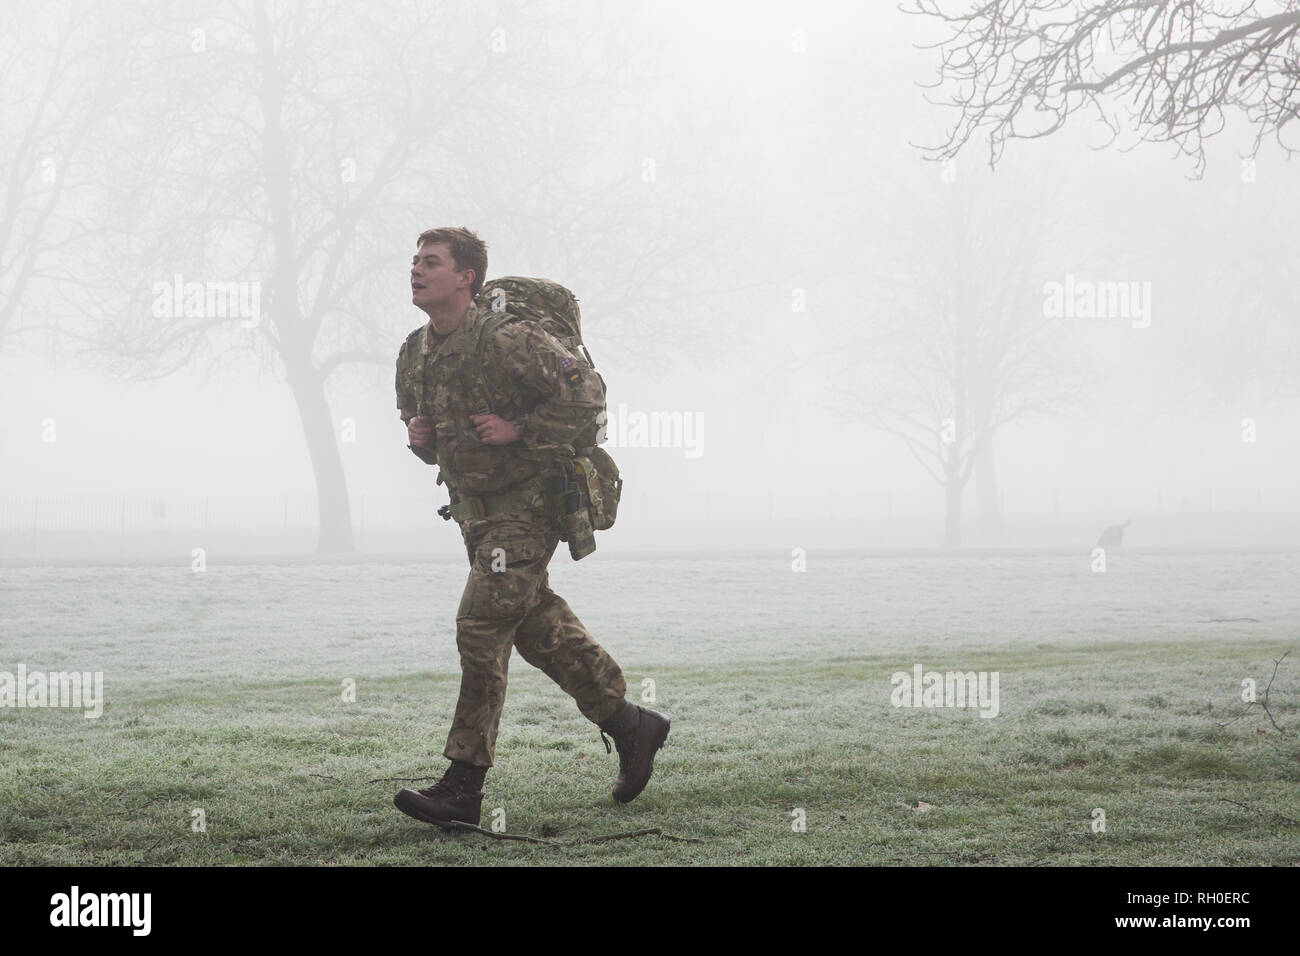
(224, 695)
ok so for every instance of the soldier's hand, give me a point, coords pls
(494, 430)
(419, 431)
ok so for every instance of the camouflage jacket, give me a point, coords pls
(529, 379)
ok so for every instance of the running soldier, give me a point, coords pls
(497, 467)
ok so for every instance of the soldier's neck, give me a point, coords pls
(447, 320)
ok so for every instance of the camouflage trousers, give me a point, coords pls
(508, 603)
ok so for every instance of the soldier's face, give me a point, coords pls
(434, 279)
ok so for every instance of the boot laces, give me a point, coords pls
(443, 788)
(451, 785)
(625, 750)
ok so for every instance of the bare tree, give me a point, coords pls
(281, 166)
(58, 85)
(1236, 340)
(1175, 68)
(1252, 279)
(957, 345)
(624, 197)
(300, 152)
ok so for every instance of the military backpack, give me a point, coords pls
(589, 486)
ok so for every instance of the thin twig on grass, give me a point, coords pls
(605, 838)
(677, 839)
(150, 847)
(1280, 816)
(118, 813)
(651, 831)
(1263, 704)
(460, 825)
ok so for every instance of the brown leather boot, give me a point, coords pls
(457, 796)
(638, 733)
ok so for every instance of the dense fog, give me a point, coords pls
(798, 311)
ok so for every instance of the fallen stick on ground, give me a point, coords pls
(651, 831)
(1244, 806)
(1262, 704)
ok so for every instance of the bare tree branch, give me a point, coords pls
(1172, 69)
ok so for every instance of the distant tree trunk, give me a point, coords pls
(986, 491)
(296, 335)
(953, 494)
(327, 464)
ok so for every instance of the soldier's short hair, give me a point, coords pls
(468, 251)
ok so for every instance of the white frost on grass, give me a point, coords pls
(149, 627)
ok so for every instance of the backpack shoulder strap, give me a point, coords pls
(410, 374)
(472, 369)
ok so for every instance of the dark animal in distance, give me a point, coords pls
(1113, 536)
